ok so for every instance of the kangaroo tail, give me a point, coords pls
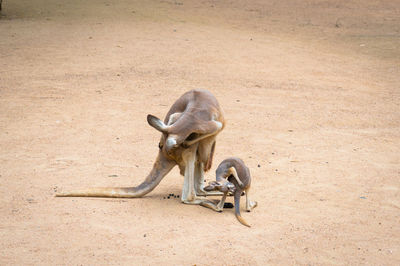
(161, 167)
(105, 192)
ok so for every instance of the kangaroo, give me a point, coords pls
(188, 140)
(232, 176)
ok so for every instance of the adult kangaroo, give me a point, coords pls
(188, 140)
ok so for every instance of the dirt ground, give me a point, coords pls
(311, 94)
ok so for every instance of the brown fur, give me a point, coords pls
(227, 182)
(196, 119)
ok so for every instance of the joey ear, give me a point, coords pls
(209, 188)
(157, 123)
(233, 172)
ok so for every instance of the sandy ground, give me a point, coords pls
(311, 96)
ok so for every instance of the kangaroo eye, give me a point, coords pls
(160, 146)
(192, 136)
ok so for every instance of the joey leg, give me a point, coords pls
(216, 207)
(249, 203)
(221, 203)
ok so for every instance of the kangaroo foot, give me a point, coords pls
(204, 193)
(251, 205)
(194, 201)
(212, 205)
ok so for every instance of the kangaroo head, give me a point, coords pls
(173, 134)
(183, 130)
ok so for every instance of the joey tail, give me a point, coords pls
(237, 208)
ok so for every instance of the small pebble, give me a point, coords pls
(258, 166)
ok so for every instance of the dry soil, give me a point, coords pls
(311, 96)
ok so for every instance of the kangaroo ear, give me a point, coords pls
(157, 123)
(204, 130)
